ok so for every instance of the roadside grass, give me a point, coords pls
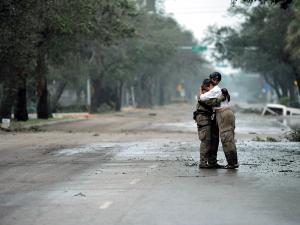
(31, 124)
(294, 136)
(268, 139)
(259, 139)
(271, 139)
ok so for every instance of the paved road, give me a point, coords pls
(139, 167)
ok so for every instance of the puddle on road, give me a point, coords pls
(188, 126)
(85, 149)
(148, 150)
(259, 157)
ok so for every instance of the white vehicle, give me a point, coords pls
(280, 110)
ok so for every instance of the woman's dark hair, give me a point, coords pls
(206, 82)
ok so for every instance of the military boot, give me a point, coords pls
(235, 166)
(215, 166)
(203, 165)
(232, 160)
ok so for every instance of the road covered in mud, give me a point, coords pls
(140, 167)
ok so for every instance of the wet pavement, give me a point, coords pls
(245, 124)
(147, 174)
(266, 158)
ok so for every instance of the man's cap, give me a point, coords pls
(215, 75)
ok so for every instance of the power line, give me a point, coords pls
(199, 12)
(198, 8)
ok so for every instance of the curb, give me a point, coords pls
(53, 123)
(40, 125)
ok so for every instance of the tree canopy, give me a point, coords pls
(265, 44)
(47, 47)
(283, 3)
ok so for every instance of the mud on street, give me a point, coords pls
(140, 167)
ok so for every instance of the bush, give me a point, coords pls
(285, 101)
(71, 108)
(271, 139)
(257, 138)
(294, 136)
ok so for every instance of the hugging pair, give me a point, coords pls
(215, 119)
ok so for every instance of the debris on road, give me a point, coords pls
(80, 195)
(285, 171)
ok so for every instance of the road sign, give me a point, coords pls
(199, 48)
(222, 65)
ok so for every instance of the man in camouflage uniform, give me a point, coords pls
(208, 131)
(225, 120)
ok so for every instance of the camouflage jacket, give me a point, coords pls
(204, 110)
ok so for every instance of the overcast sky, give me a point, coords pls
(197, 15)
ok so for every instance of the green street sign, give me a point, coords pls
(222, 65)
(199, 48)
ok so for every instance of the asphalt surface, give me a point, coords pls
(140, 167)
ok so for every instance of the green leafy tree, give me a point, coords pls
(63, 25)
(283, 3)
(150, 63)
(259, 46)
(17, 50)
(293, 40)
(65, 43)
(37, 35)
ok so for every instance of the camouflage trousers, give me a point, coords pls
(226, 124)
(208, 133)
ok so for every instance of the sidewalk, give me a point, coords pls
(58, 118)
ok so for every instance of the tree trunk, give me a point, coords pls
(276, 88)
(144, 95)
(9, 95)
(58, 92)
(95, 85)
(296, 70)
(119, 97)
(20, 109)
(42, 89)
(297, 77)
(275, 84)
(162, 92)
(293, 95)
(284, 89)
